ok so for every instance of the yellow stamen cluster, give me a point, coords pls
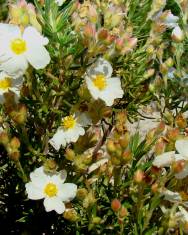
(51, 190)
(68, 122)
(18, 46)
(100, 81)
(5, 83)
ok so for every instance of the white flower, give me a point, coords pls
(72, 127)
(8, 83)
(17, 49)
(171, 20)
(177, 34)
(60, 2)
(101, 84)
(171, 196)
(52, 188)
(167, 158)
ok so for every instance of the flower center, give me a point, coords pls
(5, 83)
(100, 81)
(18, 46)
(50, 190)
(69, 122)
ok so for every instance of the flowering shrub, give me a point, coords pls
(93, 117)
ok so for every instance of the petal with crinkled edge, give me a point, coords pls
(164, 159)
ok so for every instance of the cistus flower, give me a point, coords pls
(177, 34)
(170, 20)
(8, 83)
(71, 128)
(166, 159)
(100, 83)
(51, 188)
(17, 49)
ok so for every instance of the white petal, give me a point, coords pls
(164, 159)
(9, 30)
(38, 56)
(184, 214)
(33, 192)
(182, 147)
(112, 91)
(183, 173)
(54, 203)
(39, 178)
(73, 134)
(32, 36)
(14, 66)
(58, 139)
(177, 33)
(101, 66)
(59, 178)
(83, 119)
(171, 196)
(95, 93)
(67, 192)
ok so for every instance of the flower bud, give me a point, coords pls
(155, 187)
(4, 138)
(14, 155)
(150, 49)
(124, 140)
(169, 62)
(71, 215)
(89, 31)
(96, 220)
(115, 205)
(102, 34)
(115, 161)
(69, 154)
(50, 165)
(139, 176)
(159, 147)
(14, 143)
(178, 166)
(111, 148)
(163, 68)
(81, 193)
(160, 128)
(149, 73)
(177, 34)
(172, 134)
(89, 200)
(181, 121)
(123, 212)
(126, 156)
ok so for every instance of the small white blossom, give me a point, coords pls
(72, 127)
(17, 49)
(171, 20)
(167, 158)
(100, 83)
(177, 34)
(171, 196)
(7, 83)
(51, 188)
